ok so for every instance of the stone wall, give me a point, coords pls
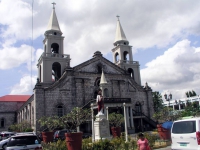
(10, 118)
(8, 113)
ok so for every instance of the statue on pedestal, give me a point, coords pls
(101, 124)
(100, 102)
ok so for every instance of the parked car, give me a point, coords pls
(185, 134)
(3, 144)
(24, 142)
(4, 135)
(60, 134)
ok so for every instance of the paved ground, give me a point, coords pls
(166, 148)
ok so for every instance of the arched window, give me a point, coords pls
(28, 115)
(2, 122)
(32, 117)
(56, 71)
(116, 57)
(126, 56)
(55, 48)
(130, 71)
(106, 93)
(25, 115)
(60, 111)
(138, 108)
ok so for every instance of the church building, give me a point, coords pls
(60, 87)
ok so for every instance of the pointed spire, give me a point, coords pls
(103, 79)
(120, 35)
(53, 21)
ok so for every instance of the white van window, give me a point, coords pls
(184, 127)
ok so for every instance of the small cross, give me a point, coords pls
(53, 5)
(117, 17)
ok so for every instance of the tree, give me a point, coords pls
(191, 109)
(166, 114)
(190, 93)
(157, 101)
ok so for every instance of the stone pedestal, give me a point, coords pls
(101, 127)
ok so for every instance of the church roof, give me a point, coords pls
(120, 35)
(98, 56)
(14, 98)
(53, 22)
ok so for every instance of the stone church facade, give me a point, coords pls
(60, 87)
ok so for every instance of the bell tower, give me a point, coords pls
(122, 54)
(53, 61)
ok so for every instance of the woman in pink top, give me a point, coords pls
(143, 143)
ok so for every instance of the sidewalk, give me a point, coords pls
(165, 148)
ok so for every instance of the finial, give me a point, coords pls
(53, 5)
(117, 17)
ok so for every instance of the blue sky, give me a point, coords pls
(165, 36)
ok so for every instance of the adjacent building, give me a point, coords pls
(9, 105)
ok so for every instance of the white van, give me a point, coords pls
(185, 134)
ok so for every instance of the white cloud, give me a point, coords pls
(25, 86)
(90, 26)
(14, 56)
(32, 65)
(177, 70)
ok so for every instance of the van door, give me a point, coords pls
(183, 135)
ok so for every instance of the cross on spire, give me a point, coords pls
(53, 5)
(117, 17)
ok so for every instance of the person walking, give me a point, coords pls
(143, 143)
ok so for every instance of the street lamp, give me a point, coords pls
(168, 98)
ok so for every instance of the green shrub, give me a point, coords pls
(117, 143)
(87, 144)
(151, 138)
(59, 145)
(29, 130)
(103, 145)
(113, 144)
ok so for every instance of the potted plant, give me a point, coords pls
(115, 121)
(164, 115)
(49, 124)
(73, 120)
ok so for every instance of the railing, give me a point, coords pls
(149, 120)
(109, 100)
(127, 62)
(54, 55)
(87, 105)
(117, 100)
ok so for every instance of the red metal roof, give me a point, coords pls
(14, 98)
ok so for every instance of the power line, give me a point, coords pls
(32, 42)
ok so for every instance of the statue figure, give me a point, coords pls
(100, 102)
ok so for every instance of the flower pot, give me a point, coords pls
(74, 140)
(47, 137)
(116, 131)
(164, 134)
